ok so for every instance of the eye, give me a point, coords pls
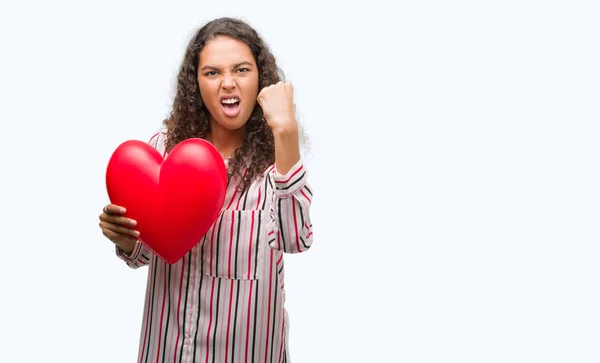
(210, 73)
(243, 70)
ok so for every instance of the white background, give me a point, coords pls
(454, 160)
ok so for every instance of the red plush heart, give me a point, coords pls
(174, 200)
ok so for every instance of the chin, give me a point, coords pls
(231, 125)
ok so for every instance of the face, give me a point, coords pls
(228, 80)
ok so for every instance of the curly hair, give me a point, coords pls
(189, 117)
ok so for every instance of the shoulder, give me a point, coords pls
(157, 139)
(158, 134)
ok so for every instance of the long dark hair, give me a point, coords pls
(189, 116)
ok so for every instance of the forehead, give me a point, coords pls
(225, 51)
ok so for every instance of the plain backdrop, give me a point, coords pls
(454, 154)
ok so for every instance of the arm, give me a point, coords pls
(289, 228)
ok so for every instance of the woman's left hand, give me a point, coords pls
(277, 103)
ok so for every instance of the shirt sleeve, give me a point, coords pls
(138, 258)
(289, 228)
(141, 255)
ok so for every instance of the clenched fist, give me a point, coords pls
(277, 103)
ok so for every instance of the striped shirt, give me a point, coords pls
(223, 302)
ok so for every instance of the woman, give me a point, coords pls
(224, 300)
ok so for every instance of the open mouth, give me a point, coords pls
(231, 106)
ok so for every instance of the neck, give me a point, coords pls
(224, 140)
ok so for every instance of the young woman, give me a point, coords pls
(224, 300)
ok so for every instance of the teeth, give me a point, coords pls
(229, 101)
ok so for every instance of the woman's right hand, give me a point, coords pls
(119, 229)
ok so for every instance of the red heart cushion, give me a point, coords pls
(176, 200)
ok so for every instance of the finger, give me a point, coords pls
(119, 229)
(117, 238)
(260, 100)
(115, 219)
(264, 89)
(114, 209)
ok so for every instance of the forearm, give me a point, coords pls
(287, 148)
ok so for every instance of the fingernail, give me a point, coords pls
(122, 210)
(136, 233)
(132, 222)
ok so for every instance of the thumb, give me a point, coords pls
(259, 99)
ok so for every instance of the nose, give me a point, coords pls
(228, 82)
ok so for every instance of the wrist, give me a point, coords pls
(285, 129)
(126, 249)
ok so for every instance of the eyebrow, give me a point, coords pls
(244, 63)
